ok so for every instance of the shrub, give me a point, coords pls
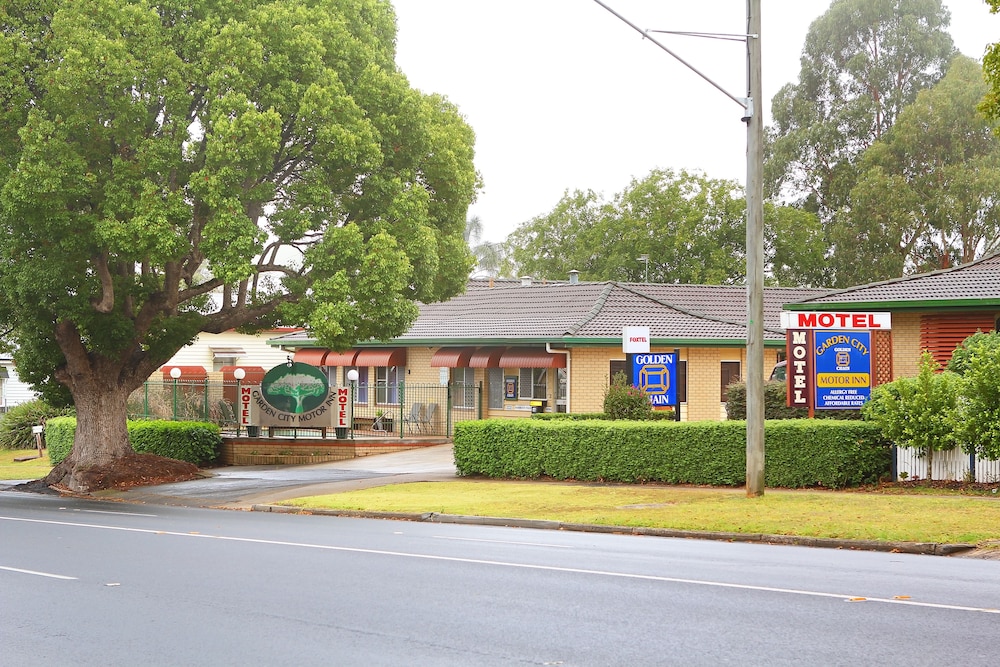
(624, 401)
(977, 359)
(15, 425)
(195, 442)
(799, 453)
(776, 404)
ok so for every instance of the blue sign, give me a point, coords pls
(656, 375)
(843, 369)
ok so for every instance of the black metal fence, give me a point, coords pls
(380, 409)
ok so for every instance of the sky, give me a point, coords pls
(563, 95)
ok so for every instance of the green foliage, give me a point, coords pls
(917, 412)
(776, 404)
(924, 198)
(978, 344)
(624, 401)
(978, 426)
(799, 453)
(691, 226)
(15, 425)
(269, 152)
(655, 415)
(863, 61)
(194, 442)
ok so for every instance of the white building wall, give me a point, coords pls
(12, 390)
(257, 351)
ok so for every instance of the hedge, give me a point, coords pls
(776, 404)
(798, 453)
(195, 442)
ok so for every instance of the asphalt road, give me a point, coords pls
(96, 583)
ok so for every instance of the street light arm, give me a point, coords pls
(739, 100)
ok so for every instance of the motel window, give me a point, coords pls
(730, 374)
(463, 381)
(494, 381)
(533, 383)
(361, 390)
(617, 366)
(386, 385)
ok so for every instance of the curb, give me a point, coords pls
(924, 548)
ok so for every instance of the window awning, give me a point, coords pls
(189, 373)
(390, 356)
(228, 351)
(345, 358)
(486, 357)
(528, 358)
(313, 356)
(452, 357)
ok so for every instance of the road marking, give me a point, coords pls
(525, 566)
(37, 574)
(526, 544)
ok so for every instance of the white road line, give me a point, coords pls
(37, 574)
(525, 544)
(525, 566)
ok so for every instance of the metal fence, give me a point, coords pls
(380, 409)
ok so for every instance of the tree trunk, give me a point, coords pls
(101, 437)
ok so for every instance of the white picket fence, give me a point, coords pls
(953, 464)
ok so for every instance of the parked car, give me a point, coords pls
(780, 371)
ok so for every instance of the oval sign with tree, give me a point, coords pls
(295, 388)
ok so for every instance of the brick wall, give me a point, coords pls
(264, 451)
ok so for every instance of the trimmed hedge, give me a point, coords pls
(799, 453)
(776, 404)
(194, 442)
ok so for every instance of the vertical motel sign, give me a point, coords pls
(654, 373)
(830, 358)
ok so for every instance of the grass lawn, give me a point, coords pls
(838, 514)
(34, 469)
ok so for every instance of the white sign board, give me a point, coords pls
(835, 321)
(635, 340)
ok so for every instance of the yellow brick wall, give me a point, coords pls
(905, 344)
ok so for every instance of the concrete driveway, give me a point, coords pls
(243, 486)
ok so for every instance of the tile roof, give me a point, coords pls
(510, 313)
(975, 284)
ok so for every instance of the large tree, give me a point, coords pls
(863, 61)
(691, 227)
(926, 197)
(174, 167)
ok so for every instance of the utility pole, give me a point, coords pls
(752, 116)
(755, 258)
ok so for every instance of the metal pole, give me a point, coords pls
(755, 258)
(175, 399)
(239, 397)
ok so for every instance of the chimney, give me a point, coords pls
(574, 277)
(525, 281)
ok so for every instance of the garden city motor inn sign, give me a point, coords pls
(295, 396)
(830, 358)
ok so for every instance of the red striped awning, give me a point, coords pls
(452, 357)
(390, 356)
(314, 356)
(189, 373)
(345, 358)
(486, 357)
(529, 358)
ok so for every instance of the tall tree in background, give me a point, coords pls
(926, 197)
(490, 258)
(692, 228)
(183, 166)
(862, 63)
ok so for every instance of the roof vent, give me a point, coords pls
(525, 281)
(574, 277)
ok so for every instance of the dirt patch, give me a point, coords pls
(125, 473)
(971, 488)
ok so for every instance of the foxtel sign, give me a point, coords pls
(834, 321)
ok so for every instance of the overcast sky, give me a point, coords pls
(563, 95)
